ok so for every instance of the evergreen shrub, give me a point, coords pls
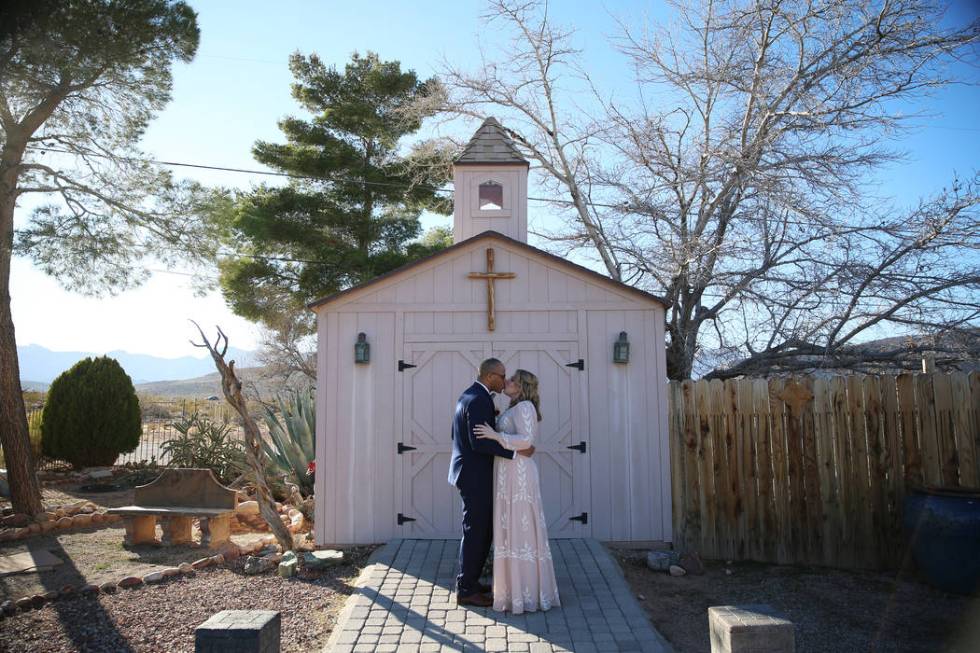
(91, 415)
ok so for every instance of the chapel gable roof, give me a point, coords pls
(490, 145)
(489, 235)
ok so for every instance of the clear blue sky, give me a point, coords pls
(237, 88)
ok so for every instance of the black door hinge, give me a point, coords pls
(402, 366)
(584, 518)
(580, 364)
(402, 448)
(402, 519)
(580, 447)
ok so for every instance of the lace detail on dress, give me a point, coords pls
(523, 570)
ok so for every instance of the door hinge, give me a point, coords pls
(584, 518)
(580, 364)
(402, 448)
(580, 447)
(402, 366)
(402, 519)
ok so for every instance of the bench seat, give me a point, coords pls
(176, 511)
(177, 497)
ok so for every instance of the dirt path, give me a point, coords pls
(833, 610)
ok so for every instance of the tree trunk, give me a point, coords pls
(25, 492)
(232, 389)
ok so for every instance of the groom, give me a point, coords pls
(471, 471)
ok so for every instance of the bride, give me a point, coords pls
(523, 572)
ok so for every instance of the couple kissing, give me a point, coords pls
(493, 468)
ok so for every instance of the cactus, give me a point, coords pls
(292, 432)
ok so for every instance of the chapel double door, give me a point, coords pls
(430, 507)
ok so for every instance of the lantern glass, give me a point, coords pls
(621, 349)
(362, 350)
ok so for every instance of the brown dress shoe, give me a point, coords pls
(476, 599)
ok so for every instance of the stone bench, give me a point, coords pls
(749, 629)
(176, 498)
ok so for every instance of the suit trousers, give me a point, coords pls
(477, 536)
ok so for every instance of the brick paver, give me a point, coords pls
(405, 602)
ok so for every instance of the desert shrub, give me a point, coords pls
(292, 436)
(204, 443)
(91, 414)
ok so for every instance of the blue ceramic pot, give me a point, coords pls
(943, 526)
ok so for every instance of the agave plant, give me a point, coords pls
(292, 431)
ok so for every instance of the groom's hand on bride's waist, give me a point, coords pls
(527, 452)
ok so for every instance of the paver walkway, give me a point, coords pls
(405, 602)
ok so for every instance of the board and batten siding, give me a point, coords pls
(360, 480)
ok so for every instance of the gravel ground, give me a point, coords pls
(163, 617)
(833, 610)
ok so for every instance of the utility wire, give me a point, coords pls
(402, 186)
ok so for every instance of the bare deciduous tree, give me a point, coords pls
(740, 193)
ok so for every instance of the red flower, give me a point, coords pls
(311, 468)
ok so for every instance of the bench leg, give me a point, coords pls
(177, 530)
(215, 531)
(141, 529)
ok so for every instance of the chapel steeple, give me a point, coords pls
(490, 180)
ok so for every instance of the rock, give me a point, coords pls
(255, 565)
(322, 559)
(47, 526)
(662, 560)
(691, 562)
(59, 513)
(677, 570)
(153, 577)
(17, 520)
(40, 518)
(170, 572)
(287, 567)
(75, 508)
(88, 509)
(108, 587)
(21, 533)
(98, 518)
(6, 536)
(8, 607)
(24, 603)
(129, 582)
(217, 559)
(230, 551)
(96, 474)
(203, 563)
(37, 601)
(65, 522)
(248, 508)
(297, 522)
(88, 590)
(186, 568)
(34, 529)
(67, 590)
(51, 595)
(82, 520)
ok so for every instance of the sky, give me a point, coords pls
(237, 88)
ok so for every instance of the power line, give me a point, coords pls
(402, 186)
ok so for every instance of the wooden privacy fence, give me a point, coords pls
(814, 470)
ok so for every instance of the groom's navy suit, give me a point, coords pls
(471, 471)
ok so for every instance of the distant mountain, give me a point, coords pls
(210, 385)
(41, 365)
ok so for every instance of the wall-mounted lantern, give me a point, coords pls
(362, 350)
(621, 349)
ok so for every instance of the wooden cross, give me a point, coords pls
(491, 276)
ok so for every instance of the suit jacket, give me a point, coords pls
(472, 462)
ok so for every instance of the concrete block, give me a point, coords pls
(750, 629)
(244, 631)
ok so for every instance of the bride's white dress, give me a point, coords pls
(523, 571)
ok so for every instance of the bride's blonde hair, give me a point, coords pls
(528, 383)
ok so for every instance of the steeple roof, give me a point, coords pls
(490, 145)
